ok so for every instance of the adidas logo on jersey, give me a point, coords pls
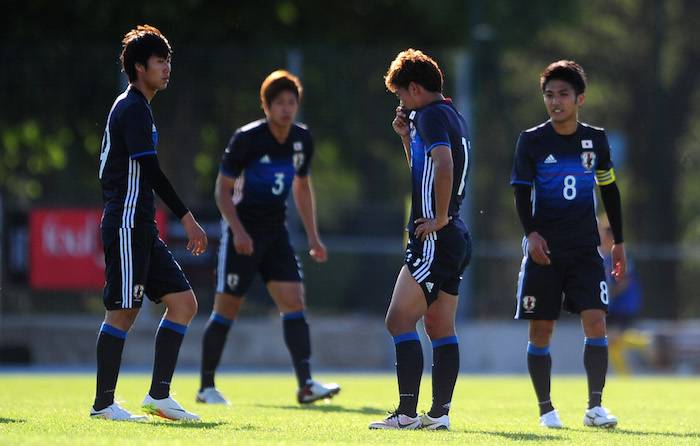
(265, 159)
(429, 286)
(550, 159)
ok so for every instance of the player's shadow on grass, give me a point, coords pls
(169, 424)
(4, 420)
(661, 434)
(523, 436)
(555, 434)
(326, 408)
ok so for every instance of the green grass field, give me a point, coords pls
(490, 410)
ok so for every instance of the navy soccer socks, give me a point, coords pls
(297, 339)
(168, 341)
(445, 371)
(109, 348)
(213, 342)
(595, 361)
(409, 369)
(539, 364)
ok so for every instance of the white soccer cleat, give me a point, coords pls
(434, 424)
(116, 413)
(166, 408)
(397, 421)
(314, 391)
(211, 395)
(551, 420)
(599, 417)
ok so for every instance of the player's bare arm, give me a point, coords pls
(223, 191)
(304, 199)
(196, 237)
(442, 159)
(401, 127)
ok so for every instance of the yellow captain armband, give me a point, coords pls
(604, 177)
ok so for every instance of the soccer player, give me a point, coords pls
(436, 143)
(264, 160)
(137, 262)
(556, 167)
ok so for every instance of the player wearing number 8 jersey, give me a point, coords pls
(556, 168)
(264, 161)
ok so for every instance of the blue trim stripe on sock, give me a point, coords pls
(219, 319)
(444, 341)
(298, 315)
(174, 326)
(597, 342)
(114, 331)
(537, 351)
(406, 337)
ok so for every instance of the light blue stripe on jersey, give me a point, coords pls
(219, 319)
(406, 337)
(537, 351)
(127, 267)
(439, 144)
(222, 254)
(228, 174)
(132, 194)
(597, 342)
(174, 326)
(142, 154)
(298, 315)
(444, 341)
(114, 331)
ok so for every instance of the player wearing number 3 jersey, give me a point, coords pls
(556, 168)
(263, 162)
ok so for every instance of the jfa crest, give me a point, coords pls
(588, 160)
(138, 292)
(298, 160)
(232, 281)
(529, 303)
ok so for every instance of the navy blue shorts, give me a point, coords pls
(437, 265)
(138, 264)
(574, 282)
(273, 257)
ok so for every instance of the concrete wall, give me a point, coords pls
(352, 343)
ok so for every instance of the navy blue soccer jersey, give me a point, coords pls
(264, 171)
(563, 171)
(129, 200)
(437, 124)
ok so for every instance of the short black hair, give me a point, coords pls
(139, 45)
(567, 71)
(413, 66)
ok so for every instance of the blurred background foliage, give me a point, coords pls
(60, 74)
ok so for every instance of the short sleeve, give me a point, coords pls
(235, 156)
(138, 129)
(432, 130)
(523, 169)
(305, 167)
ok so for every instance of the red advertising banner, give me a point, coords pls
(65, 249)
